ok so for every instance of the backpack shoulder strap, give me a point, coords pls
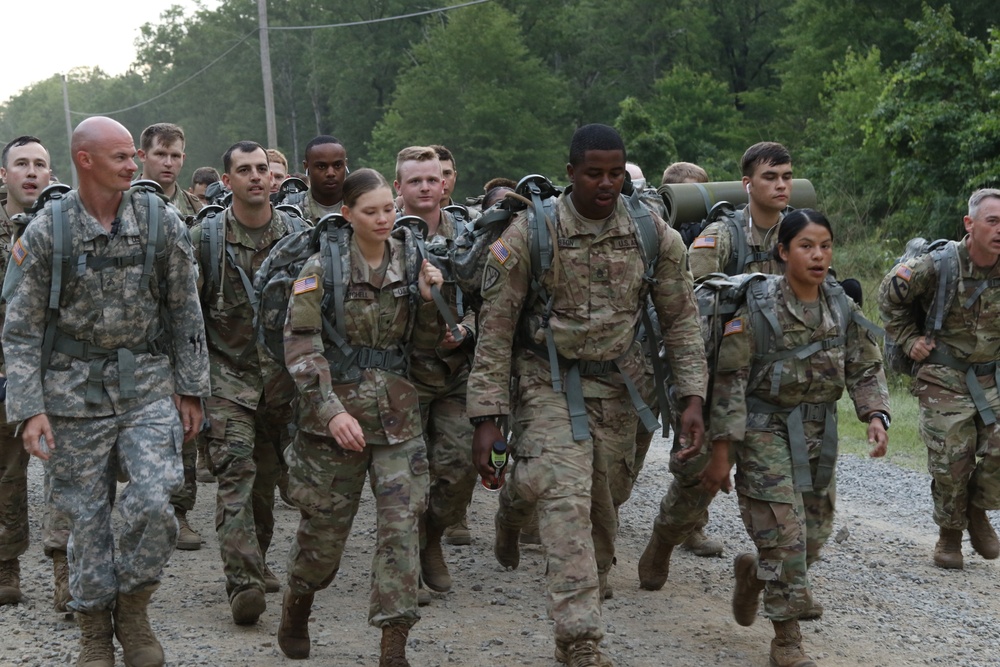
(645, 230)
(945, 258)
(62, 246)
(737, 261)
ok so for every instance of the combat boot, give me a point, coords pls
(138, 642)
(654, 564)
(505, 546)
(187, 538)
(271, 582)
(701, 544)
(607, 591)
(948, 550)
(582, 653)
(458, 534)
(394, 646)
(746, 593)
(247, 606)
(10, 582)
(812, 612)
(530, 532)
(293, 631)
(60, 575)
(981, 533)
(432, 566)
(96, 647)
(786, 647)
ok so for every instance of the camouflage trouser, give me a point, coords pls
(183, 500)
(325, 482)
(684, 508)
(963, 454)
(147, 442)
(13, 494)
(567, 482)
(449, 451)
(243, 445)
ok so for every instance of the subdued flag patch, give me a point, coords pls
(733, 327)
(307, 284)
(704, 242)
(904, 272)
(19, 252)
(500, 251)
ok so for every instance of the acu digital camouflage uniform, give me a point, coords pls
(325, 480)
(598, 295)
(118, 401)
(248, 424)
(963, 452)
(788, 524)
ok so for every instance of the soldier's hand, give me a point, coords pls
(922, 348)
(482, 444)
(877, 438)
(429, 275)
(449, 342)
(715, 476)
(346, 430)
(37, 436)
(692, 425)
(191, 415)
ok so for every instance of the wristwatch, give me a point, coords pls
(476, 421)
(882, 417)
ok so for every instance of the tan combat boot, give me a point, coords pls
(432, 566)
(746, 593)
(138, 642)
(394, 646)
(293, 631)
(812, 612)
(247, 606)
(654, 564)
(582, 653)
(60, 576)
(187, 538)
(701, 544)
(981, 533)
(459, 533)
(948, 550)
(271, 582)
(96, 648)
(530, 531)
(505, 546)
(786, 647)
(10, 582)
(607, 591)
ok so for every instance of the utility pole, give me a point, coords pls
(69, 131)
(265, 70)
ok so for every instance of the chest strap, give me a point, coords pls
(795, 420)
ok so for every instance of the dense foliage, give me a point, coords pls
(888, 106)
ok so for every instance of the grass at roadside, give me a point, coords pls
(906, 449)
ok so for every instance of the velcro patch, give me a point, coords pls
(568, 243)
(904, 272)
(362, 293)
(734, 326)
(401, 291)
(704, 242)
(490, 277)
(307, 284)
(625, 244)
(19, 252)
(500, 251)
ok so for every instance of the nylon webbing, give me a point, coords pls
(152, 236)
(798, 448)
(972, 371)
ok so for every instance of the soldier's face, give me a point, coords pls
(163, 162)
(808, 255)
(597, 182)
(420, 186)
(198, 190)
(249, 177)
(112, 162)
(984, 232)
(448, 177)
(27, 173)
(326, 165)
(770, 187)
(278, 174)
(372, 216)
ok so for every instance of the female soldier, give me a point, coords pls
(357, 417)
(777, 406)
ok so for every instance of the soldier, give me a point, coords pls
(955, 373)
(200, 180)
(248, 415)
(683, 515)
(358, 420)
(277, 165)
(161, 153)
(326, 164)
(596, 302)
(119, 385)
(449, 174)
(439, 369)
(777, 408)
(25, 173)
(684, 172)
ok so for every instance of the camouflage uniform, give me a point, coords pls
(248, 427)
(312, 210)
(326, 481)
(789, 526)
(963, 453)
(132, 414)
(711, 251)
(187, 204)
(596, 307)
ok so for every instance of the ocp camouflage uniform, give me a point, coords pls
(248, 427)
(789, 524)
(325, 480)
(187, 204)
(126, 408)
(596, 307)
(712, 250)
(963, 453)
(313, 211)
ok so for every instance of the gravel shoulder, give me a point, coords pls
(886, 604)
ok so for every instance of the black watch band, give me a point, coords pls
(476, 421)
(882, 417)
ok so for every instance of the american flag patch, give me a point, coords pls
(704, 242)
(500, 251)
(307, 284)
(904, 272)
(19, 252)
(733, 327)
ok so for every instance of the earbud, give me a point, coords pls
(748, 188)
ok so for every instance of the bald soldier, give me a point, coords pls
(117, 382)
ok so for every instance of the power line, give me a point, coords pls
(381, 20)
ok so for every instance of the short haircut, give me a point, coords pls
(977, 198)
(23, 140)
(274, 155)
(359, 182)
(499, 182)
(770, 153)
(245, 146)
(167, 133)
(595, 137)
(415, 154)
(679, 172)
(444, 154)
(204, 176)
(320, 141)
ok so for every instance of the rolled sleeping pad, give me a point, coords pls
(691, 202)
